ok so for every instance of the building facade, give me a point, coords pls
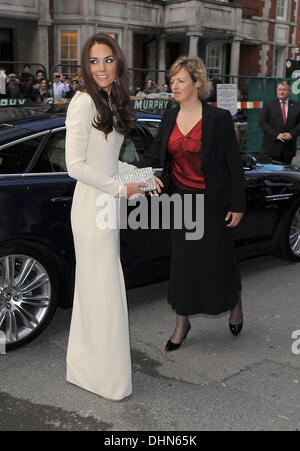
(269, 36)
(247, 37)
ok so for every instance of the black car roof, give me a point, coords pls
(20, 122)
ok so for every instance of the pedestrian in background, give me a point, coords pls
(59, 86)
(280, 122)
(13, 90)
(78, 77)
(26, 86)
(74, 86)
(150, 87)
(39, 75)
(216, 80)
(40, 92)
(3, 78)
(164, 91)
(26, 73)
(139, 93)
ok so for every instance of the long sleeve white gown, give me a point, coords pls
(98, 356)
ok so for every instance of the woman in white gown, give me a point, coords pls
(98, 356)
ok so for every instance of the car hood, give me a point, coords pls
(275, 166)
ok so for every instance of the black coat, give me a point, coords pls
(221, 161)
(271, 122)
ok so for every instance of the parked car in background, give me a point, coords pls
(36, 246)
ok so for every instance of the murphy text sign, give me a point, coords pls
(144, 104)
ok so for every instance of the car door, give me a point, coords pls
(15, 157)
(146, 251)
(248, 232)
(51, 191)
(278, 187)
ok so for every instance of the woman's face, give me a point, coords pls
(183, 87)
(43, 84)
(103, 66)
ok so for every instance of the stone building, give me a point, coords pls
(269, 36)
(250, 37)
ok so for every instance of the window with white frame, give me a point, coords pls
(279, 60)
(69, 49)
(214, 58)
(281, 9)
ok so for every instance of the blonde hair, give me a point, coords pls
(197, 71)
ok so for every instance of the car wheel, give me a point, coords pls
(288, 242)
(28, 293)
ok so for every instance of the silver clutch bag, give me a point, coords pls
(143, 175)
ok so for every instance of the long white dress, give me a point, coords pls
(98, 356)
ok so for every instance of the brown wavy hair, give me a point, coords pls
(197, 71)
(115, 110)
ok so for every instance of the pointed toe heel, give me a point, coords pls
(236, 329)
(170, 346)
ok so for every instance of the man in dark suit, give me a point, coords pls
(280, 122)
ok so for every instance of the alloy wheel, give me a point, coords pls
(25, 293)
(295, 233)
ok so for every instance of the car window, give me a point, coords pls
(136, 144)
(130, 151)
(152, 126)
(52, 159)
(15, 158)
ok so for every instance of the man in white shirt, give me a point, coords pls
(59, 87)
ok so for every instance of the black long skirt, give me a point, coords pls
(204, 276)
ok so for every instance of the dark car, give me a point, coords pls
(36, 247)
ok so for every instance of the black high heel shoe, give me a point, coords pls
(170, 346)
(236, 329)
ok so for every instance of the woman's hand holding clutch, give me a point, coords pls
(133, 189)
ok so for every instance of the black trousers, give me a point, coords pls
(286, 156)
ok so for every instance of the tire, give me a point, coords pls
(28, 292)
(288, 238)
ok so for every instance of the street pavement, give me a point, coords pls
(213, 382)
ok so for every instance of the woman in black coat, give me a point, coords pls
(197, 148)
